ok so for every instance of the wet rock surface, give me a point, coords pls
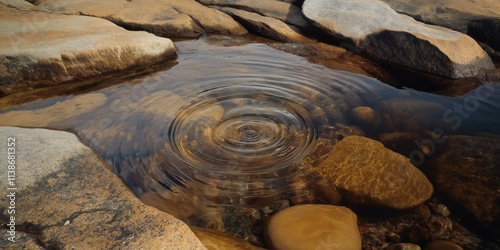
(380, 32)
(419, 226)
(465, 169)
(123, 125)
(366, 173)
(321, 226)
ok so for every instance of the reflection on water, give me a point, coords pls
(240, 127)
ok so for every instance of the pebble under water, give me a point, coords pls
(230, 132)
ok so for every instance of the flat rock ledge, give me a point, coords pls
(382, 33)
(66, 198)
(43, 48)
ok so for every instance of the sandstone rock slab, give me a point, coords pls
(480, 20)
(367, 173)
(41, 48)
(313, 227)
(265, 26)
(168, 18)
(380, 32)
(286, 12)
(70, 200)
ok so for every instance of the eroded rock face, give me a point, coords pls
(168, 18)
(41, 48)
(466, 169)
(367, 173)
(379, 31)
(70, 200)
(313, 227)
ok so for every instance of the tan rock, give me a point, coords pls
(313, 227)
(367, 173)
(54, 48)
(366, 115)
(477, 19)
(379, 31)
(286, 12)
(265, 26)
(168, 18)
(217, 240)
(72, 201)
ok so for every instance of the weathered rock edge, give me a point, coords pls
(42, 48)
(382, 33)
(66, 198)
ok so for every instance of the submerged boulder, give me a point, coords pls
(380, 32)
(313, 227)
(466, 170)
(366, 173)
(53, 48)
(69, 199)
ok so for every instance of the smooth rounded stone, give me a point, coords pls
(403, 246)
(265, 26)
(442, 245)
(167, 18)
(379, 31)
(58, 49)
(58, 112)
(217, 240)
(472, 162)
(366, 115)
(367, 173)
(72, 200)
(313, 227)
(480, 20)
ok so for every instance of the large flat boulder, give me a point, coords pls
(66, 197)
(478, 19)
(168, 18)
(366, 173)
(42, 48)
(382, 33)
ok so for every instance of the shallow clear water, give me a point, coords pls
(241, 127)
